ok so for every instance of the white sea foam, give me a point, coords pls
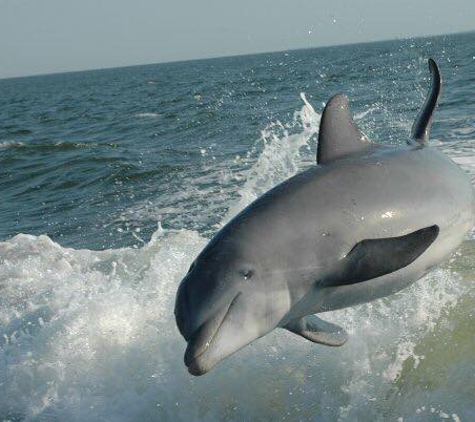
(363, 114)
(10, 144)
(90, 335)
(148, 115)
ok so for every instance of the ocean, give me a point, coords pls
(113, 180)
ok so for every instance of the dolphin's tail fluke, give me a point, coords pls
(421, 127)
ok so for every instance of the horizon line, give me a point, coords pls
(60, 72)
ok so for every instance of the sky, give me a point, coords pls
(46, 36)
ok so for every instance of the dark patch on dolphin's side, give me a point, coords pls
(372, 258)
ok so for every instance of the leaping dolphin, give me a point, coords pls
(367, 221)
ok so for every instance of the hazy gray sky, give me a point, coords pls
(43, 36)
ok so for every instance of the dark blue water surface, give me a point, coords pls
(79, 150)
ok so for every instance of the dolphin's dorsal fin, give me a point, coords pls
(339, 136)
(421, 127)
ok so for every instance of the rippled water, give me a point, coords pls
(113, 180)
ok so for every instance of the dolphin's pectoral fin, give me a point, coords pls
(319, 331)
(374, 258)
(339, 136)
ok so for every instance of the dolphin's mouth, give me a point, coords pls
(203, 340)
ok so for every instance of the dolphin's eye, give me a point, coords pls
(247, 274)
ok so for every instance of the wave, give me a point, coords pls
(90, 335)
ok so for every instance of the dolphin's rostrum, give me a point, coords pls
(367, 221)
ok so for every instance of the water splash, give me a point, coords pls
(281, 155)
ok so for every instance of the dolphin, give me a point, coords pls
(367, 221)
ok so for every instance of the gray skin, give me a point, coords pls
(366, 222)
